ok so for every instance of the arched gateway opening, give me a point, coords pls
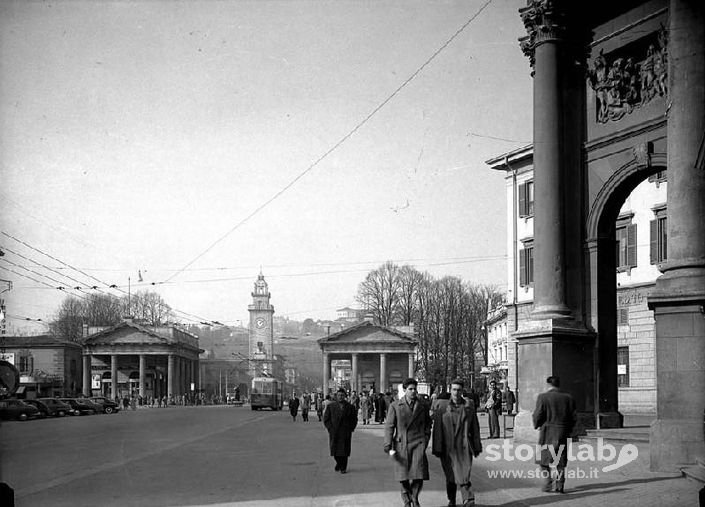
(619, 246)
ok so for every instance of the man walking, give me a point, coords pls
(305, 406)
(456, 441)
(494, 409)
(509, 399)
(407, 431)
(293, 406)
(555, 418)
(340, 419)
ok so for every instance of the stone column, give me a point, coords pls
(113, 375)
(553, 342)
(546, 45)
(354, 385)
(412, 368)
(383, 373)
(679, 295)
(170, 372)
(143, 361)
(326, 373)
(87, 375)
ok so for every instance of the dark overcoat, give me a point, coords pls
(408, 433)
(294, 406)
(340, 419)
(555, 418)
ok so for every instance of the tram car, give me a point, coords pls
(266, 392)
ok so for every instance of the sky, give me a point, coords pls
(199, 142)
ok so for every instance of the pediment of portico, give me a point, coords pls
(368, 337)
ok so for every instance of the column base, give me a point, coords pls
(524, 431)
(609, 420)
(675, 443)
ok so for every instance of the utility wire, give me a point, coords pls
(40, 281)
(94, 287)
(336, 145)
(191, 317)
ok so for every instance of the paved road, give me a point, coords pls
(219, 456)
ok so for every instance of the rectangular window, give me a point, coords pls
(658, 178)
(623, 316)
(526, 264)
(526, 199)
(622, 366)
(625, 236)
(26, 364)
(659, 237)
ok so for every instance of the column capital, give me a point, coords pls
(544, 20)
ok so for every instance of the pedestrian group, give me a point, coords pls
(448, 422)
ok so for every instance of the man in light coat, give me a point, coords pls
(494, 409)
(340, 419)
(456, 441)
(555, 417)
(407, 431)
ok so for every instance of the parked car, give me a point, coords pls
(56, 407)
(108, 405)
(43, 409)
(17, 409)
(81, 406)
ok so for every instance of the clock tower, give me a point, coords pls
(261, 329)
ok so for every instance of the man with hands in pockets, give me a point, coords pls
(407, 431)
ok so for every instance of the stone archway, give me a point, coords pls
(576, 150)
(603, 282)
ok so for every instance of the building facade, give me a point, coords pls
(130, 359)
(48, 366)
(641, 245)
(367, 357)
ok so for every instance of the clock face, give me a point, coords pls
(260, 323)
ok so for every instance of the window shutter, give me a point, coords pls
(664, 236)
(631, 245)
(653, 244)
(522, 268)
(522, 200)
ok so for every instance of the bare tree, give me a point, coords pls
(150, 308)
(68, 322)
(102, 310)
(410, 281)
(96, 310)
(379, 293)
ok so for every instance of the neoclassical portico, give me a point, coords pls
(133, 359)
(380, 357)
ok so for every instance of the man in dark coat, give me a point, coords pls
(293, 406)
(554, 417)
(407, 431)
(340, 419)
(456, 441)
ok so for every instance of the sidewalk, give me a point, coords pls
(498, 482)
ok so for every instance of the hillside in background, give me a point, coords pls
(296, 342)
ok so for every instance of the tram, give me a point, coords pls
(266, 392)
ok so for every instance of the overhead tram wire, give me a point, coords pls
(42, 282)
(93, 287)
(189, 316)
(337, 144)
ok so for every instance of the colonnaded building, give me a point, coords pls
(131, 359)
(619, 98)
